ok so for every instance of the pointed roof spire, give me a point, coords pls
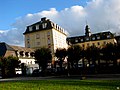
(87, 30)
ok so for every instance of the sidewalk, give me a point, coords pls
(71, 77)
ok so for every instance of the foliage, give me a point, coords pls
(42, 57)
(92, 53)
(74, 54)
(110, 53)
(61, 54)
(8, 65)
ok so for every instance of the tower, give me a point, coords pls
(87, 31)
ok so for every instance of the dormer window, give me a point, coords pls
(98, 37)
(87, 39)
(44, 25)
(108, 36)
(76, 40)
(37, 27)
(81, 40)
(30, 28)
(93, 38)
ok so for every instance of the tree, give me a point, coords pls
(61, 54)
(110, 54)
(3, 66)
(42, 57)
(74, 53)
(12, 63)
(88, 54)
(92, 54)
(8, 65)
(70, 58)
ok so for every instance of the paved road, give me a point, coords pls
(88, 77)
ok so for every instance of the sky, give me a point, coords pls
(72, 15)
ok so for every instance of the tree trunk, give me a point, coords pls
(68, 68)
(98, 66)
(83, 68)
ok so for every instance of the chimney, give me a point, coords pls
(43, 19)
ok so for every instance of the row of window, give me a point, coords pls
(25, 54)
(97, 44)
(38, 36)
(88, 38)
(37, 27)
(57, 27)
(44, 26)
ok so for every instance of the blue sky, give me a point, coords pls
(12, 9)
(15, 15)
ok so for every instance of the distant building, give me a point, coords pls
(25, 55)
(46, 34)
(98, 39)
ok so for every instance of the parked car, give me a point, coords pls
(36, 72)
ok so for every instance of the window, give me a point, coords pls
(83, 45)
(104, 42)
(32, 54)
(28, 45)
(28, 38)
(76, 40)
(88, 44)
(98, 37)
(108, 36)
(27, 54)
(38, 43)
(30, 62)
(49, 46)
(48, 41)
(93, 38)
(37, 36)
(44, 25)
(81, 40)
(93, 44)
(87, 39)
(48, 33)
(98, 43)
(37, 27)
(21, 53)
(30, 28)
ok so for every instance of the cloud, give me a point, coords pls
(101, 15)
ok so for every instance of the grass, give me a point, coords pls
(61, 85)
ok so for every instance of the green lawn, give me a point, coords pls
(61, 85)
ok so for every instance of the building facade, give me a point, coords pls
(98, 39)
(25, 55)
(45, 34)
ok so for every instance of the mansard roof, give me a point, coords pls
(39, 26)
(93, 37)
(19, 48)
(5, 47)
